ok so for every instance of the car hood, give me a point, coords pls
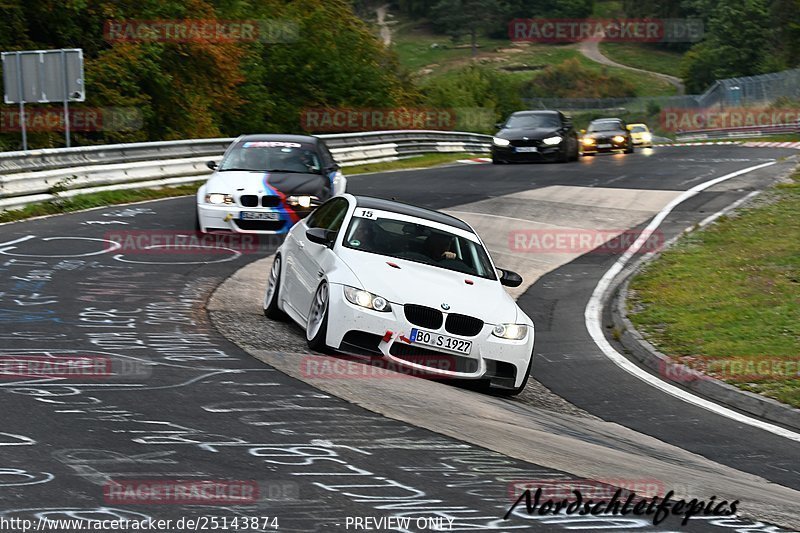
(431, 286)
(535, 133)
(259, 182)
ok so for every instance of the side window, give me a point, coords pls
(329, 215)
(327, 156)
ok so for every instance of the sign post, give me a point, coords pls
(43, 76)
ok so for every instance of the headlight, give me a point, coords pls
(302, 201)
(619, 139)
(366, 299)
(587, 140)
(514, 332)
(497, 141)
(553, 140)
(647, 137)
(219, 198)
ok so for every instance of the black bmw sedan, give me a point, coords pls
(607, 135)
(535, 136)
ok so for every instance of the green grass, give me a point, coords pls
(420, 161)
(731, 291)
(608, 9)
(98, 199)
(785, 137)
(412, 42)
(644, 56)
(102, 199)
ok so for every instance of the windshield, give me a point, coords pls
(605, 126)
(272, 156)
(533, 121)
(638, 129)
(418, 243)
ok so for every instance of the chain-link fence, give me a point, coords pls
(733, 92)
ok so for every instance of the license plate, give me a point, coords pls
(604, 146)
(526, 149)
(258, 215)
(440, 342)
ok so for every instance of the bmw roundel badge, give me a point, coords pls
(445, 307)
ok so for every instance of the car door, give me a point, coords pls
(312, 257)
(293, 288)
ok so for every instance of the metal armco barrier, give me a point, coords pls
(41, 175)
(732, 133)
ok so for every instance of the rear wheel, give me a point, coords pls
(271, 309)
(317, 325)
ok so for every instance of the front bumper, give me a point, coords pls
(354, 329)
(604, 146)
(213, 217)
(511, 153)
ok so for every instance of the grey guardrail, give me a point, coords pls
(744, 131)
(42, 175)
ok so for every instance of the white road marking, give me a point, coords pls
(594, 307)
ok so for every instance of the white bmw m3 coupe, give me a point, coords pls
(376, 277)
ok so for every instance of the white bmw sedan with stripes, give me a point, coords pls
(417, 287)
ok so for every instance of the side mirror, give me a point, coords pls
(211, 164)
(320, 236)
(509, 278)
(334, 167)
(499, 125)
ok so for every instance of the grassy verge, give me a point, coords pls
(727, 299)
(786, 137)
(430, 55)
(643, 56)
(106, 198)
(420, 161)
(97, 199)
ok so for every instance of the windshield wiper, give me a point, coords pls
(240, 169)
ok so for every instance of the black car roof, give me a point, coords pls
(536, 112)
(370, 202)
(279, 137)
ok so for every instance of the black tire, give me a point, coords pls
(515, 391)
(563, 156)
(629, 149)
(496, 161)
(197, 228)
(271, 309)
(317, 341)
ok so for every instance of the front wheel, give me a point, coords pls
(317, 325)
(271, 309)
(629, 150)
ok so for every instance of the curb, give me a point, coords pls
(637, 348)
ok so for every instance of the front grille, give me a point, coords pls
(523, 142)
(463, 325)
(270, 201)
(424, 317)
(260, 225)
(249, 200)
(433, 359)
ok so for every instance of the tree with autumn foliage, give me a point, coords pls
(210, 88)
